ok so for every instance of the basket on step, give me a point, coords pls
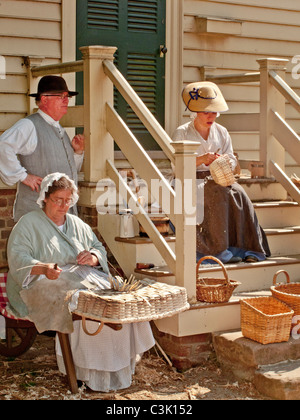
(288, 293)
(266, 320)
(214, 290)
(221, 171)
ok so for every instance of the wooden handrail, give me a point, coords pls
(234, 78)
(289, 94)
(286, 136)
(143, 218)
(143, 113)
(59, 68)
(285, 181)
(139, 159)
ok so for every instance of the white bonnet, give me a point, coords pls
(48, 181)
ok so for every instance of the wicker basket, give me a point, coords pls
(152, 301)
(288, 293)
(213, 290)
(266, 320)
(221, 171)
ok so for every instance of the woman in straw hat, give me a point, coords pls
(230, 229)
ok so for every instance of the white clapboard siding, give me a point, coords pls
(8, 119)
(15, 65)
(40, 10)
(16, 83)
(251, 29)
(30, 47)
(267, 28)
(265, 12)
(237, 44)
(27, 28)
(12, 102)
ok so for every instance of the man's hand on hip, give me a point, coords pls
(33, 182)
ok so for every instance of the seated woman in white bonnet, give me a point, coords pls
(230, 230)
(50, 253)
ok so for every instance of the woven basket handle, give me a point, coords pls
(278, 272)
(101, 325)
(218, 261)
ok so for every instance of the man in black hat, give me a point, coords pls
(38, 145)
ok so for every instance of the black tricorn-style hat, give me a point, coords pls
(52, 84)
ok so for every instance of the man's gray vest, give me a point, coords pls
(53, 153)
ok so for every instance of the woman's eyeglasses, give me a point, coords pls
(61, 202)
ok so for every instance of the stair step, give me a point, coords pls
(274, 369)
(263, 189)
(283, 231)
(284, 240)
(280, 381)
(277, 213)
(256, 280)
(161, 274)
(255, 276)
(142, 240)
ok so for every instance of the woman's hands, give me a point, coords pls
(51, 271)
(87, 258)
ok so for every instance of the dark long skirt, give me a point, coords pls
(229, 221)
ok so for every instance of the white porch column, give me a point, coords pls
(270, 99)
(98, 89)
(185, 173)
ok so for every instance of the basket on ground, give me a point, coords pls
(288, 293)
(214, 290)
(221, 171)
(266, 320)
(152, 301)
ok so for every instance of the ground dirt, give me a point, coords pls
(34, 376)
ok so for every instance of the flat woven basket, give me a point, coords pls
(221, 171)
(152, 301)
(214, 290)
(288, 293)
(266, 320)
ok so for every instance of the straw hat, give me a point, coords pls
(52, 84)
(204, 97)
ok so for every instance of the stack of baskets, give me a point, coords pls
(270, 319)
(214, 290)
(221, 171)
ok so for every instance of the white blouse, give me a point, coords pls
(218, 141)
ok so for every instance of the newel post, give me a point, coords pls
(270, 100)
(185, 203)
(98, 89)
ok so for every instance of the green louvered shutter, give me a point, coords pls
(137, 28)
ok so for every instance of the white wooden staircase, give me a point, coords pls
(103, 126)
(281, 222)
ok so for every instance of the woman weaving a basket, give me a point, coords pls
(52, 254)
(230, 229)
